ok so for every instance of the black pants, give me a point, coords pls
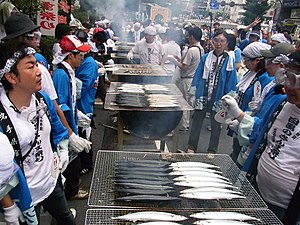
(236, 148)
(56, 204)
(197, 122)
(86, 159)
(101, 89)
(72, 174)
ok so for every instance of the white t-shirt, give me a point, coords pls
(7, 167)
(171, 48)
(39, 163)
(47, 83)
(149, 53)
(192, 59)
(275, 172)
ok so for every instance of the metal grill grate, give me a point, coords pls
(103, 216)
(102, 187)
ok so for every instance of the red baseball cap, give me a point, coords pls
(70, 43)
(98, 29)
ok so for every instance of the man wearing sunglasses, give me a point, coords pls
(273, 164)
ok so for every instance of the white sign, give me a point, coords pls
(295, 13)
(48, 18)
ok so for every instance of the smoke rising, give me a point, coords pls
(108, 8)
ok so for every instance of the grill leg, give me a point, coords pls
(162, 145)
(120, 133)
(175, 138)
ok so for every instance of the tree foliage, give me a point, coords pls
(255, 8)
(29, 7)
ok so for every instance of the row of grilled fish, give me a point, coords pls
(202, 218)
(151, 180)
(143, 181)
(150, 100)
(140, 88)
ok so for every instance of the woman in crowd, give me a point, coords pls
(251, 84)
(273, 165)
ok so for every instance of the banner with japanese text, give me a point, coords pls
(48, 18)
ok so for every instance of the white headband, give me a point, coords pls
(281, 59)
(12, 61)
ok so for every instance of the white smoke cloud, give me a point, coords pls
(108, 8)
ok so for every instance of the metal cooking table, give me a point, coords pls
(174, 91)
(103, 216)
(102, 187)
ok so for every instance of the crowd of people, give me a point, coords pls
(247, 80)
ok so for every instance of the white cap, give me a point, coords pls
(280, 38)
(150, 30)
(253, 49)
(106, 21)
(162, 30)
(137, 24)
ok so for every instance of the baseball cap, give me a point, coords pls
(280, 38)
(71, 43)
(253, 50)
(281, 48)
(150, 30)
(98, 29)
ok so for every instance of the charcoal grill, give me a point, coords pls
(102, 187)
(103, 216)
(147, 122)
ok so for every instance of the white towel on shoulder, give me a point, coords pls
(212, 58)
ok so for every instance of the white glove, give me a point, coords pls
(63, 154)
(12, 215)
(110, 62)
(230, 105)
(130, 55)
(78, 144)
(254, 105)
(83, 120)
(88, 132)
(233, 125)
(297, 171)
(101, 71)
